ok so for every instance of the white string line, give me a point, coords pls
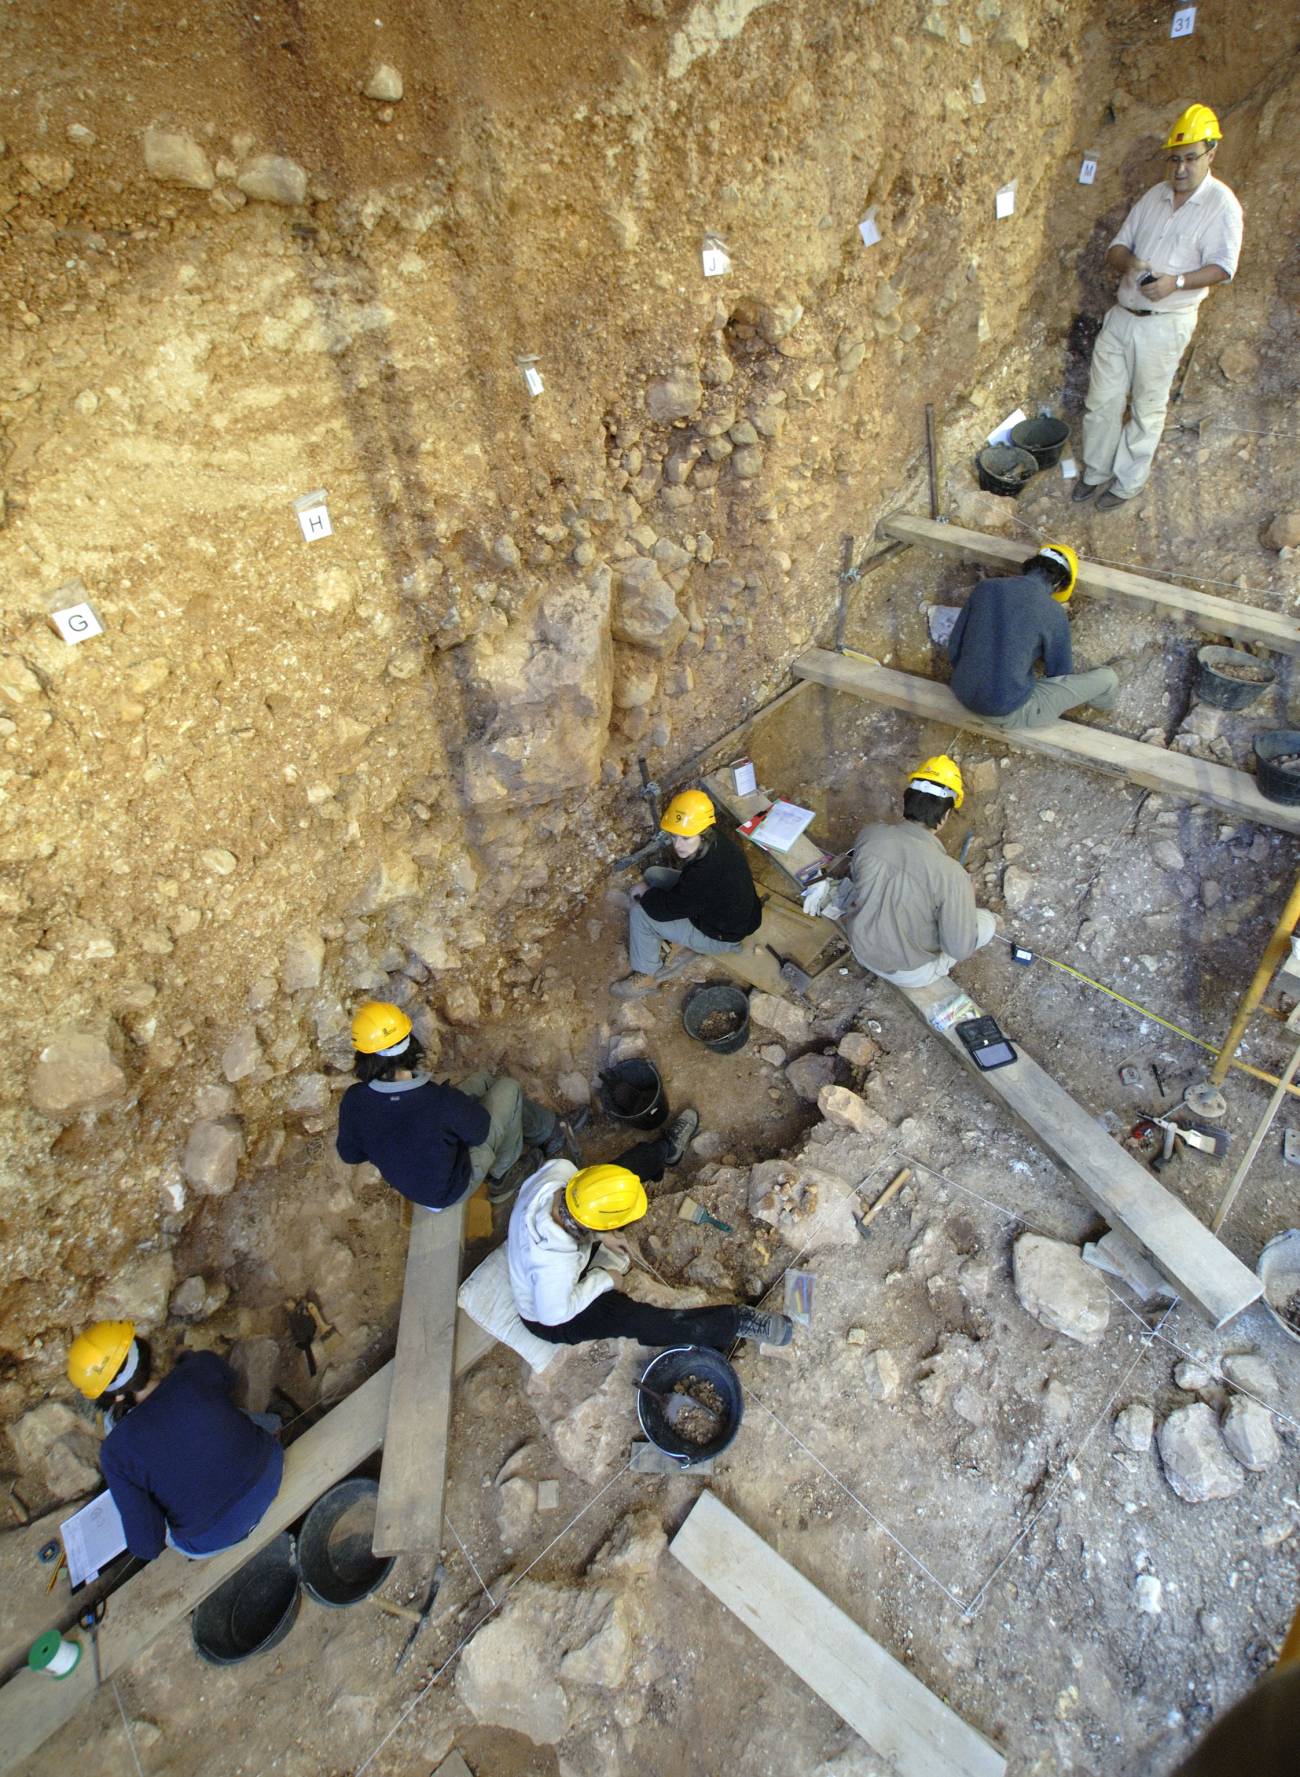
(460, 1544)
(423, 1692)
(1210, 1363)
(1064, 1475)
(861, 1504)
(126, 1724)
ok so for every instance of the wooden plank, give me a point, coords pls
(409, 1511)
(794, 936)
(801, 854)
(168, 1589)
(1156, 768)
(1181, 1247)
(1198, 610)
(903, 1723)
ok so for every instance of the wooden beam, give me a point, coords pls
(168, 1589)
(908, 1728)
(1198, 610)
(1180, 1246)
(1156, 768)
(414, 1474)
(800, 855)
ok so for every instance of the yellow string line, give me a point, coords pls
(1144, 1010)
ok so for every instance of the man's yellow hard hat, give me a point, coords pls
(1197, 124)
(379, 1025)
(689, 812)
(939, 774)
(1065, 557)
(96, 1355)
(604, 1197)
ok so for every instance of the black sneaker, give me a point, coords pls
(561, 1138)
(1084, 490)
(678, 1136)
(768, 1329)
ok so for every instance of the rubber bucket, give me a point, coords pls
(1279, 1271)
(1278, 782)
(1229, 678)
(1044, 438)
(719, 1001)
(1004, 469)
(631, 1092)
(694, 1363)
(253, 1610)
(335, 1558)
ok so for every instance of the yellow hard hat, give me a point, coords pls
(1065, 557)
(1197, 124)
(379, 1025)
(939, 774)
(96, 1355)
(605, 1197)
(689, 812)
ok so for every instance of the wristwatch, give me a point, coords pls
(1179, 281)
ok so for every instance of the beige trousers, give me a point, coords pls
(1133, 361)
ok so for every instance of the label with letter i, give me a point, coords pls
(1184, 22)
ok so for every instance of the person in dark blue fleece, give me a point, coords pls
(1010, 625)
(433, 1142)
(184, 1466)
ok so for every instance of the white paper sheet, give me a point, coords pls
(781, 826)
(1002, 434)
(91, 1538)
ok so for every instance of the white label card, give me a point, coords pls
(77, 623)
(868, 230)
(1087, 170)
(315, 522)
(716, 262)
(1069, 468)
(1184, 22)
(1005, 202)
(533, 380)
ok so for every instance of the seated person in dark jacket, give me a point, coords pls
(1006, 628)
(183, 1464)
(433, 1142)
(708, 905)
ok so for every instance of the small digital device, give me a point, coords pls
(1148, 277)
(1022, 956)
(985, 1044)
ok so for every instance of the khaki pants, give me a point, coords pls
(1133, 361)
(515, 1121)
(1050, 698)
(928, 973)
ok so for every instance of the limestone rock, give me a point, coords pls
(1058, 1289)
(274, 179)
(1196, 1461)
(1192, 1378)
(574, 1088)
(1238, 363)
(51, 171)
(882, 1375)
(811, 1075)
(645, 612)
(858, 1049)
(56, 1446)
(790, 1023)
(516, 1508)
(838, 1105)
(241, 1054)
(384, 84)
(196, 1298)
(772, 1053)
(1011, 39)
(1017, 888)
(747, 463)
(781, 1196)
(603, 1659)
(138, 1291)
(75, 1072)
(507, 1676)
(255, 1363)
(177, 159)
(1284, 531)
(304, 958)
(1249, 1433)
(677, 396)
(1135, 1427)
(211, 1157)
(1167, 855)
(1253, 1373)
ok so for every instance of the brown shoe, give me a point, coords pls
(634, 987)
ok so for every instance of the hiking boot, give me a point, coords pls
(1084, 490)
(1109, 501)
(561, 1139)
(501, 1190)
(633, 987)
(767, 1329)
(677, 1136)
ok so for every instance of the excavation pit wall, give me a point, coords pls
(394, 760)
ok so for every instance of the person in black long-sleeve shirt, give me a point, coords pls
(709, 905)
(1006, 628)
(184, 1465)
(433, 1142)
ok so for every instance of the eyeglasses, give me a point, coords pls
(1187, 160)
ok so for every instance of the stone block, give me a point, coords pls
(1058, 1289)
(212, 1155)
(75, 1072)
(1197, 1462)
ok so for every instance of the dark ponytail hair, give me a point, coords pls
(121, 1400)
(384, 1067)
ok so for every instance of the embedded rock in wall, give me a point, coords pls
(75, 1072)
(645, 607)
(550, 684)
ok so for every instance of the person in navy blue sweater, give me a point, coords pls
(183, 1464)
(433, 1142)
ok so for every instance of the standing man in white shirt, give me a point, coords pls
(1179, 238)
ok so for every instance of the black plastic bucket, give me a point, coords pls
(253, 1610)
(335, 1557)
(631, 1092)
(1044, 438)
(1005, 469)
(1278, 782)
(695, 1363)
(1229, 678)
(718, 997)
